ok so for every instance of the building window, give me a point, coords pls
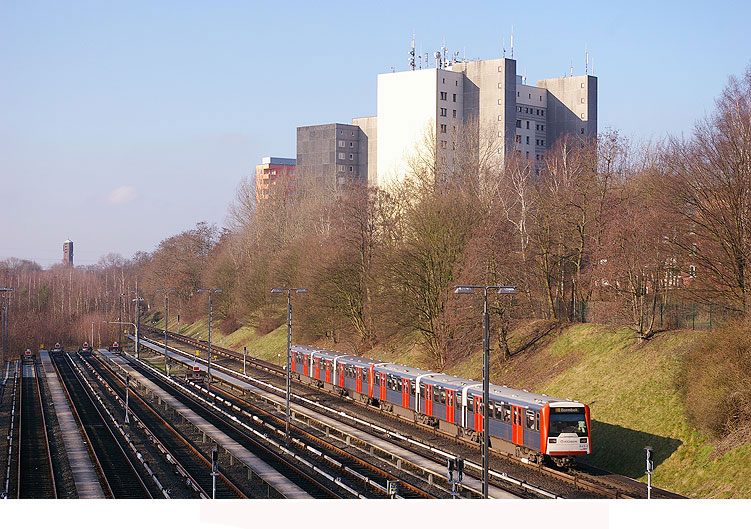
(540, 98)
(454, 96)
(500, 134)
(443, 127)
(341, 133)
(342, 143)
(350, 168)
(518, 109)
(582, 100)
(353, 133)
(582, 85)
(341, 156)
(443, 144)
(527, 125)
(582, 130)
(582, 115)
(537, 157)
(500, 118)
(351, 144)
(542, 142)
(500, 68)
(527, 155)
(340, 168)
(518, 94)
(518, 123)
(443, 112)
(456, 83)
(692, 271)
(500, 85)
(529, 96)
(351, 156)
(542, 112)
(500, 101)
(443, 96)
(443, 80)
(542, 127)
(454, 112)
(527, 140)
(518, 138)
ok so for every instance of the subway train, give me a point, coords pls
(535, 427)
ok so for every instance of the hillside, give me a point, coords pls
(633, 389)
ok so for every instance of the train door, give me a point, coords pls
(305, 364)
(450, 405)
(341, 369)
(358, 379)
(371, 379)
(478, 413)
(405, 393)
(316, 368)
(292, 358)
(517, 435)
(428, 399)
(383, 385)
(328, 370)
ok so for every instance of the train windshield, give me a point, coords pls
(570, 422)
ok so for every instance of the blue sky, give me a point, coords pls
(122, 123)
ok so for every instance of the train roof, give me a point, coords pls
(402, 370)
(498, 393)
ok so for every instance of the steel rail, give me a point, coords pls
(139, 420)
(36, 477)
(99, 445)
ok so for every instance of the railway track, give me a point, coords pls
(36, 477)
(260, 446)
(188, 457)
(593, 481)
(118, 475)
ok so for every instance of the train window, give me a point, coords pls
(422, 392)
(436, 394)
(491, 409)
(506, 413)
(471, 404)
(364, 375)
(399, 384)
(376, 379)
(411, 387)
(443, 396)
(530, 422)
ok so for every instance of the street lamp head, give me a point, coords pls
(301, 290)
(463, 290)
(507, 290)
(276, 290)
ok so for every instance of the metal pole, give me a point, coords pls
(245, 354)
(120, 335)
(92, 334)
(2, 324)
(485, 390)
(138, 327)
(127, 392)
(214, 468)
(166, 319)
(209, 369)
(289, 345)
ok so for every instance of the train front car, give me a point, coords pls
(565, 431)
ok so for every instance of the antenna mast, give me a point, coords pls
(586, 60)
(412, 53)
(512, 41)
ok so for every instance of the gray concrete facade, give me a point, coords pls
(328, 156)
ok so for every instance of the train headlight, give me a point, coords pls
(582, 439)
(552, 441)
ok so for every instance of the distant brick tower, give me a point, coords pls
(68, 253)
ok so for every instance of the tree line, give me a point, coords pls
(604, 225)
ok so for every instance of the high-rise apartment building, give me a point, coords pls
(330, 156)
(68, 253)
(482, 103)
(275, 176)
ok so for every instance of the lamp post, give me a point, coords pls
(469, 289)
(280, 290)
(210, 291)
(126, 323)
(138, 299)
(166, 319)
(5, 292)
(92, 335)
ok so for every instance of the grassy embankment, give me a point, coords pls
(632, 387)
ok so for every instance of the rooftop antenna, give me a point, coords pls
(524, 77)
(412, 53)
(419, 58)
(437, 56)
(586, 60)
(572, 67)
(503, 44)
(464, 55)
(512, 41)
